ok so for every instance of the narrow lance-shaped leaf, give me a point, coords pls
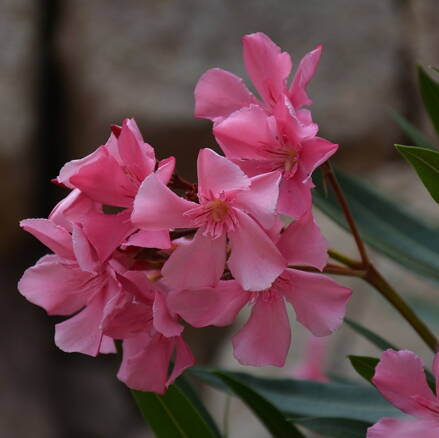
(173, 415)
(364, 366)
(430, 96)
(335, 427)
(426, 164)
(383, 225)
(311, 399)
(376, 339)
(273, 419)
(411, 131)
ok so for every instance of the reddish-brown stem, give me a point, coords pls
(333, 269)
(330, 176)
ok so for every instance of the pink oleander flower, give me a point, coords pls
(111, 176)
(151, 334)
(312, 366)
(231, 206)
(259, 142)
(219, 93)
(274, 134)
(319, 302)
(71, 280)
(400, 378)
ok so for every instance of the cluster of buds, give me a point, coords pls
(138, 251)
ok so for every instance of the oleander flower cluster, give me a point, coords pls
(138, 252)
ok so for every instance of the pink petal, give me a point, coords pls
(210, 305)
(164, 323)
(217, 174)
(149, 239)
(104, 180)
(436, 371)
(156, 207)
(315, 151)
(145, 362)
(294, 197)
(57, 215)
(265, 338)
(85, 254)
(304, 74)
(302, 243)
(319, 302)
(137, 155)
(266, 65)
(59, 288)
(82, 333)
(245, 133)
(255, 261)
(400, 378)
(125, 316)
(72, 167)
(165, 169)
(53, 236)
(396, 428)
(107, 345)
(183, 359)
(206, 254)
(261, 200)
(219, 93)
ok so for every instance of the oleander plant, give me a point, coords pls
(138, 253)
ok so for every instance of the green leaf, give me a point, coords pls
(364, 365)
(335, 427)
(275, 422)
(183, 383)
(430, 96)
(426, 164)
(298, 398)
(383, 225)
(411, 131)
(173, 415)
(376, 340)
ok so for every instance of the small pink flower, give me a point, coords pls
(400, 378)
(219, 93)
(232, 206)
(319, 302)
(259, 143)
(71, 280)
(151, 334)
(111, 176)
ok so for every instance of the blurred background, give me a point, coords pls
(69, 69)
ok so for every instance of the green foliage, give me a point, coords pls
(376, 340)
(314, 405)
(426, 164)
(364, 365)
(430, 96)
(383, 225)
(174, 414)
(411, 131)
(335, 427)
(274, 420)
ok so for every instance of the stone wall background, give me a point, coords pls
(71, 68)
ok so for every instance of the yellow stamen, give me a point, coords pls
(218, 210)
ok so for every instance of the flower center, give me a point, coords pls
(215, 216)
(218, 210)
(290, 160)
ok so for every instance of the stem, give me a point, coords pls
(374, 278)
(344, 259)
(333, 269)
(330, 175)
